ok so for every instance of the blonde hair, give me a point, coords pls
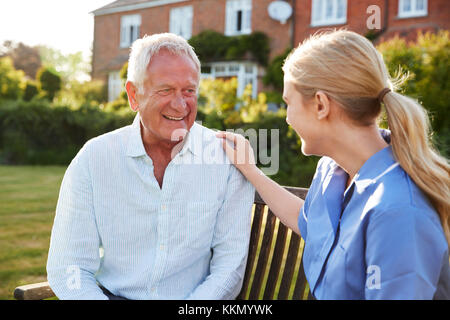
(351, 71)
(145, 48)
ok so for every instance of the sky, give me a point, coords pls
(65, 25)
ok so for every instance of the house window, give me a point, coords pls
(328, 12)
(238, 17)
(181, 21)
(129, 29)
(245, 72)
(412, 8)
(114, 85)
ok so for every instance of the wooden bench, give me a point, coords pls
(274, 260)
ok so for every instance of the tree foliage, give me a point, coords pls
(24, 57)
(49, 82)
(11, 80)
(427, 61)
(211, 46)
(71, 66)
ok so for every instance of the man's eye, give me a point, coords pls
(165, 91)
(191, 92)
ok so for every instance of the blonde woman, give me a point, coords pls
(376, 217)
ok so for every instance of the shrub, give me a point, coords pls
(274, 75)
(31, 90)
(428, 63)
(37, 132)
(49, 82)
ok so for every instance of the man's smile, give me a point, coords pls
(173, 118)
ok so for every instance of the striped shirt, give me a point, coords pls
(115, 226)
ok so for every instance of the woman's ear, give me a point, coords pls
(322, 105)
(132, 95)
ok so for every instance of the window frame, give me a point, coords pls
(181, 18)
(413, 13)
(320, 19)
(127, 22)
(238, 69)
(233, 7)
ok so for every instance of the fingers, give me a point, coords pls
(227, 135)
(237, 148)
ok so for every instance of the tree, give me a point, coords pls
(49, 82)
(25, 58)
(31, 90)
(70, 67)
(11, 80)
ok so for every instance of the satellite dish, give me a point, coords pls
(280, 11)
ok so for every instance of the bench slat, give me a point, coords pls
(35, 291)
(254, 239)
(300, 285)
(276, 263)
(263, 257)
(286, 280)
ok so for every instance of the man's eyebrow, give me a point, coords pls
(163, 85)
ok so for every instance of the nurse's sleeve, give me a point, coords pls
(312, 191)
(404, 254)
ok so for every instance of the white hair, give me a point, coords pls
(145, 48)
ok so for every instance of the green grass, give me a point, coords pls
(28, 196)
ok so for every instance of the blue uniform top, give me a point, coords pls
(378, 239)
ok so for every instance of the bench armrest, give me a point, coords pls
(35, 291)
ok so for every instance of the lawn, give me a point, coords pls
(28, 196)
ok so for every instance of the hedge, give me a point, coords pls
(38, 133)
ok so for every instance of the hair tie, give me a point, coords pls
(382, 94)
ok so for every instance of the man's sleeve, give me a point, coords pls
(230, 242)
(404, 255)
(73, 257)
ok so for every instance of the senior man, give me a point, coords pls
(153, 210)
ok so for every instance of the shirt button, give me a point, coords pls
(163, 207)
(162, 247)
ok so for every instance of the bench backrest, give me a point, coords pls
(274, 266)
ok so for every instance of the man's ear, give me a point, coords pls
(132, 95)
(322, 105)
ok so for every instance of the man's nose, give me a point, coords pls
(178, 103)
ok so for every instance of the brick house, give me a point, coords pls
(119, 23)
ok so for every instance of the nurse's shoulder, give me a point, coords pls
(397, 192)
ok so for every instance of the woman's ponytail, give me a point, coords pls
(410, 140)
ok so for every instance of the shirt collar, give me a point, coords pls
(334, 183)
(373, 169)
(135, 147)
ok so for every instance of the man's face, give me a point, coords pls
(168, 103)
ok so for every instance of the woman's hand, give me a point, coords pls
(283, 204)
(239, 151)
